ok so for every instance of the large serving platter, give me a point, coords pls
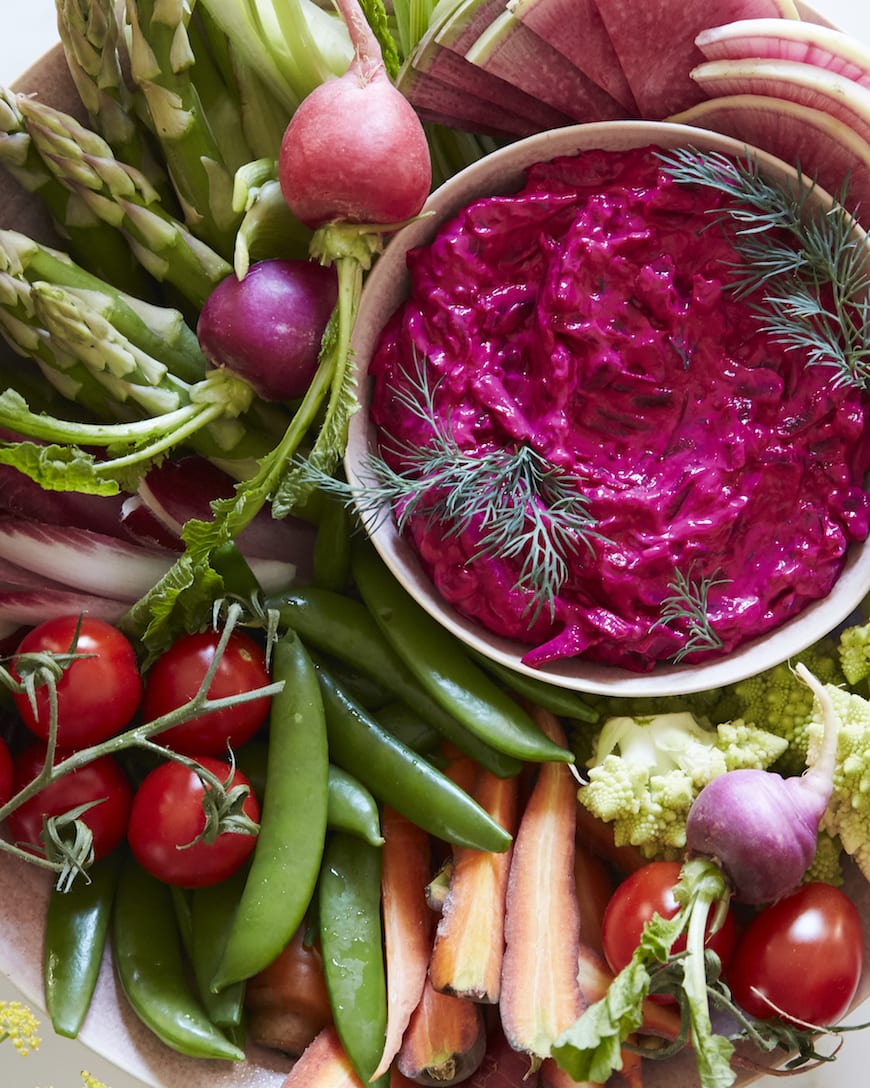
(112, 1029)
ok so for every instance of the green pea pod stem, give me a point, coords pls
(445, 670)
(76, 929)
(559, 701)
(289, 850)
(211, 915)
(344, 628)
(349, 913)
(352, 808)
(401, 778)
(153, 972)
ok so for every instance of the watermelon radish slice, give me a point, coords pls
(575, 29)
(510, 50)
(788, 39)
(796, 81)
(824, 148)
(655, 44)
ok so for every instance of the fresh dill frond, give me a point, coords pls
(809, 264)
(686, 608)
(522, 507)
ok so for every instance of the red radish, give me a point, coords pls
(355, 150)
(267, 327)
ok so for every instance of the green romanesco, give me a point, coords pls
(854, 651)
(646, 772)
(827, 865)
(848, 813)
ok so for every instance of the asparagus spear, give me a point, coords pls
(85, 234)
(161, 60)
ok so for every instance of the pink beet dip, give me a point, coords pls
(587, 316)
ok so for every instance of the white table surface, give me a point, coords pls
(26, 34)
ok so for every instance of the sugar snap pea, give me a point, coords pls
(211, 913)
(349, 918)
(559, 701)
(289, 849)
(76, 929)
(152, 970)
(341, 626)
(445, 670)
(401, 778)
(332, 545)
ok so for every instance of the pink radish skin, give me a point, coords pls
(355, 150)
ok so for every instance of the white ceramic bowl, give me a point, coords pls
(387, 287)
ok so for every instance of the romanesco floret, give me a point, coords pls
(848, 813)
(854, 651)
(646, 772)
(777, 701)
(826, 866)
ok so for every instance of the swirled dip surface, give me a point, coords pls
(587, 317)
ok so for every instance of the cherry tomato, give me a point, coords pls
(97, 695)
(801, 957)
(168, 816)
(176, 676)
(100, 780)
(6, 774)
(649, 891)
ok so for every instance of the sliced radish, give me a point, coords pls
(824, 148)
(788, 39)
(655, 44)
(796, 81)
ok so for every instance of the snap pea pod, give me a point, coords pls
(401, 778)
(409, 728)
(332, 545)
(445, 670)
(152, 970)
(559, 701)
(350, 806)
(211, 914)
(76, 928)
(343, 627)
(349, 914)
(289, 849)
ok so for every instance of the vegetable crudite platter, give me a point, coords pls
(277, 811)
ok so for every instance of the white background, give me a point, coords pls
(25, 35)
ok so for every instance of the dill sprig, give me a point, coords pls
(809, 263)
(687, 608)
(521, 506)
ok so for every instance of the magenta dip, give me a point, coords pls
(587, 317)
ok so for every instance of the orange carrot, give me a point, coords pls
(598, 837)
(595, 977)
(469, 942)
(594, 886)
(445, 1041)
(553, 1076)
(323, 1064)
(540, 994)
(405, 871)
(287, 1001)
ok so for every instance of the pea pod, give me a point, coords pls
(409, 727)
(289, 849)
(349, 913)
(332, 545)
(152, 970)
(445, 670)
(76, 929)
(352, 808)
(211, 915)
(559, 701)
(401, 778)
(342, 627)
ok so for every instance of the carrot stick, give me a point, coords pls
(594, 886)
(540, 994)
(595, 977)
(552, 1076)
(469, 942)
(445, 1041)
(323, 1064)
(405, 871)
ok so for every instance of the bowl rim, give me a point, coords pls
(386, 286)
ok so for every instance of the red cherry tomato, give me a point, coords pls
(176, 676)
(6, 774)
(97, 695)
(100, 780)
(649, 891)
(801, 957)
(168, 815)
